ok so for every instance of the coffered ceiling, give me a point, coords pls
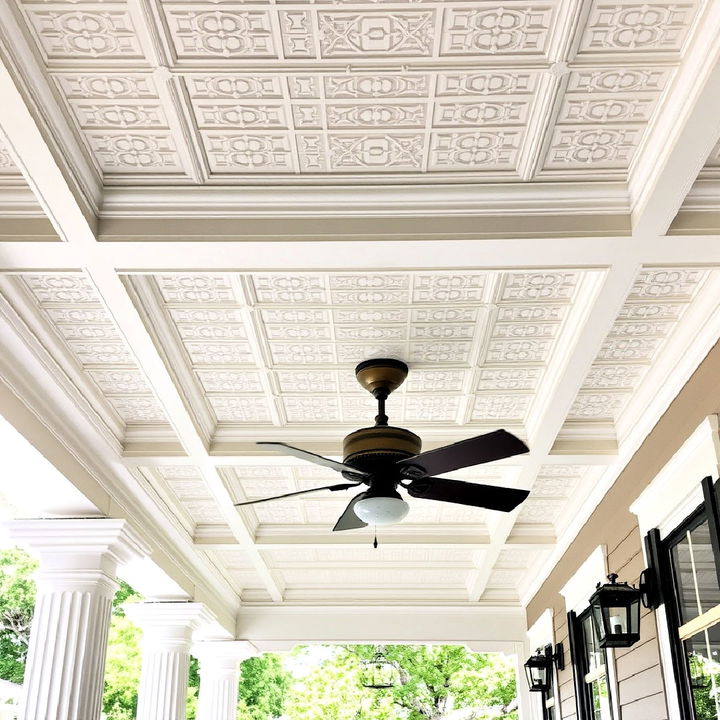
(190, 92)
(210, 212)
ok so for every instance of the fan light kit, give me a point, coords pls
(385, 458)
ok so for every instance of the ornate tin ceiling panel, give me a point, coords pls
(228, 91)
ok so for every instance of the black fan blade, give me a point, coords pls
(465, 493)
(466, 453)
(333, 488)
(312, 457)
(349, 520)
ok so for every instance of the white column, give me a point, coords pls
(75, 587)
(167, 637)
(219, 677)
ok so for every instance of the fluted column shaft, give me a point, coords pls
(219, 677)
(167, 636)
(76, 584)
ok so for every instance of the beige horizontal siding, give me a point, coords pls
(641, 688)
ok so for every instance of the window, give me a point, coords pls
(592, 692)
(687, 564)
(549, 697)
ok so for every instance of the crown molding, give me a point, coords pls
(475, 199)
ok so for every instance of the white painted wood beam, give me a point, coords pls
(598, 314)
(298, 255)
(65, 212)
(683, 135)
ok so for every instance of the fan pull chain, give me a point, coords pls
(375, 543)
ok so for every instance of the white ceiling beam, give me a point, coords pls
(333, 204)
(598, 314)
(328, 541)
(241, 256)
(66, 214)
(683, 135)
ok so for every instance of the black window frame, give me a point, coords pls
(550, 694)
(659, 554)
(578, 654)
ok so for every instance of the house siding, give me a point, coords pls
(640, 687)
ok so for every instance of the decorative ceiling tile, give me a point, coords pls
(138, 409)
(6, 162)
(72, 33)
(204, 511)
(560, 487)
(505, 578)
(247, 108)
(645, 323)
(515, 378)
(488, 28)
(629, 26)
(311, 409)
(230, 381)
(285, 513)
(540, 511)
(515, 558)
(489, 408)
(105, 370)
(200, 32)
(430, 381)
(240, 409)
(538, 287)
(431, 409)
(667, 284)
(592, 146)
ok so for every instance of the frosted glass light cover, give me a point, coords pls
(381, 510)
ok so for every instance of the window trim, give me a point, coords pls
(658, 551)
(582, 676)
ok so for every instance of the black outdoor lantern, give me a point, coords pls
(538, 667)
(616, 613)
(379, 673)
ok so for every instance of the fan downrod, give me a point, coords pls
(380, 377)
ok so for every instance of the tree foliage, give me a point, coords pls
(264, 684)
(434, 682)
(17, 602)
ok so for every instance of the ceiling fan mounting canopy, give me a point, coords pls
(385, 458)
(381, 376)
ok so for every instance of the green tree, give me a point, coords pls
(264, 684)
(122, 668)
(433, 682)
(17, 602)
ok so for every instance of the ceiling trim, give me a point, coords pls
(683, 135)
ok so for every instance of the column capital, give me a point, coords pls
(169, 622)
(223, 652)
(79, 543)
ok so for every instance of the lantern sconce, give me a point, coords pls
(538, 667)
(615, 611)
(379, 673)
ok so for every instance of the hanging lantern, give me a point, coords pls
(538, 669)
(616, 613)
(379, 672)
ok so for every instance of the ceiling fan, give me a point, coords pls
(384, 458)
